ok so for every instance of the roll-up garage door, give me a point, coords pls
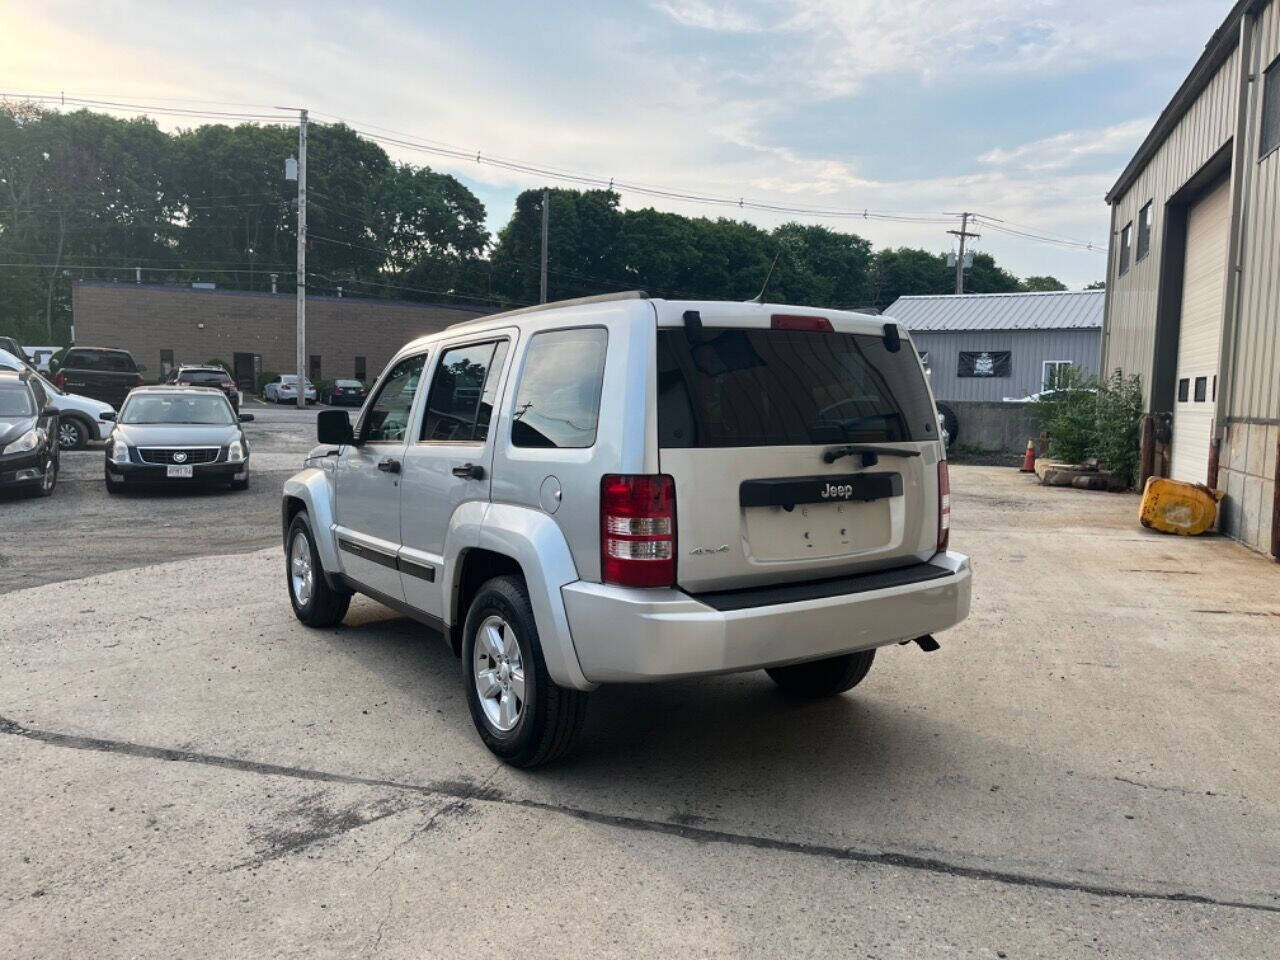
(1200, 333)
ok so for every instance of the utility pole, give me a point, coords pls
(963, 233)
(546, 203)
(302, 259)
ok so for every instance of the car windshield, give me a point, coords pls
(174, 408)
(204, 377)
(15, 403)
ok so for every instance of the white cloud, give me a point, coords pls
(722, 18)
(1065, 150)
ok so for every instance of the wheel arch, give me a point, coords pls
(310, 490)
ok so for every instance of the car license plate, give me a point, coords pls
(187, 471)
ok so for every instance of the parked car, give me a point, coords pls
(14, 350)
(80, 418)
(28, 434)
(284, 389)
(206, 376)
(102, 373)
(344, 393)
(174, 434)
(624, 489)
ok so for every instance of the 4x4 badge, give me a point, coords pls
(699, 551)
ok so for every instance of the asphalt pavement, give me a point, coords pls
(1088, 767)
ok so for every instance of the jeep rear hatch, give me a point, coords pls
(803, 444)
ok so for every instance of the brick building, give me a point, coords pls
(252, 332)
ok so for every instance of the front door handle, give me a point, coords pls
(389, 465)
(469, 471)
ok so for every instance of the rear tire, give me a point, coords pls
(315, 603)
(501, 652)
(824, 678)
(950, 422)
(72, 434)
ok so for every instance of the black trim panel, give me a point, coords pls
(367, 553)
(751, 597)
(399, 606)
(420, 570)
(788, 491)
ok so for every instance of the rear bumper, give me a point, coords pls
(629, 635)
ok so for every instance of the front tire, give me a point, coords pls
(315, 603)
(72, 434)
(824, 678)
(50, 479)
(521, 714)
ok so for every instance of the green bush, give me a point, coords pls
(265, 377)
(1102, 420)
(1119, 422)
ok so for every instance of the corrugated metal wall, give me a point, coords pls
(1030, 348)
(1255, 381)
(1129, 340)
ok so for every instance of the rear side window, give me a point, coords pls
(558, 400)
(463, 392)
(106, 360)
(760, 388)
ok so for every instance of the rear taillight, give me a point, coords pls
(638, 530)
(944, 506)
(60, 380)
(785, 321)
(140, 380)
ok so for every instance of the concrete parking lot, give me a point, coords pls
(1088, 766)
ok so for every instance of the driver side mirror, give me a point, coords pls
(334, 426)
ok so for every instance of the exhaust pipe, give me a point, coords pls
(927, 643)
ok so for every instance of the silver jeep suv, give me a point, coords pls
(624, 489)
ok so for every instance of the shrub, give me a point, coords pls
(1069, 414)
(265, 377)
(1119, 421)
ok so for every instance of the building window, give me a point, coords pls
(313, 368)
(1184, 390)
(1202, 389)
(166, 363)
(1055, 374)
(1270, 138)
(1125, 237)
(1144, 231)
(358, 369)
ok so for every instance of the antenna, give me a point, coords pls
(759, 297)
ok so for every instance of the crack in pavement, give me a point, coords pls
(470, 792)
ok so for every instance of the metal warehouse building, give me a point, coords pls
(1193, 285)
(989, 346)
(252, 332)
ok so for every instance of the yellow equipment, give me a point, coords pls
(1172, 506)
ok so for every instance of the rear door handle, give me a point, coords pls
(389, 465)
(469, 471)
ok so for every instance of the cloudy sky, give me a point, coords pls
(1020, 109)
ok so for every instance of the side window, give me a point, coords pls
(462, 393)
(41, 397)
(558, 400)
(1144, 232)
(1270, 134)
(1126, 239)
(387, 417)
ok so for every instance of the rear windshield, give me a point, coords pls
(108, 360)
(214, 377)
(759, 388)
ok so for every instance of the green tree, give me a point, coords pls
(1038, 284)
(1097, 285)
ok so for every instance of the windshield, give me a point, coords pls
(15, 403)
(172, 408)
(756, 388)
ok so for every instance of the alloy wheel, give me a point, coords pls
(301, 576)
(68, 435)
(498, 670)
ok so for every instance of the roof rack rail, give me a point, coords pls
(579, 301)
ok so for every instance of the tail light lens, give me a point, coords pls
(638, 530)
(944, 506)
(60, 380)
(140, 380)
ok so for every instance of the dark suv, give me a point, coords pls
(202, 376)
(99, 372)
(28, 434)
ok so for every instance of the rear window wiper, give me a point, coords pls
(870, 453)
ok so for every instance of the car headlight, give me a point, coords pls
(235, 452)
(119, 451)
(27, 442)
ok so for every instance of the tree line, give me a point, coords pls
(85, 195)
